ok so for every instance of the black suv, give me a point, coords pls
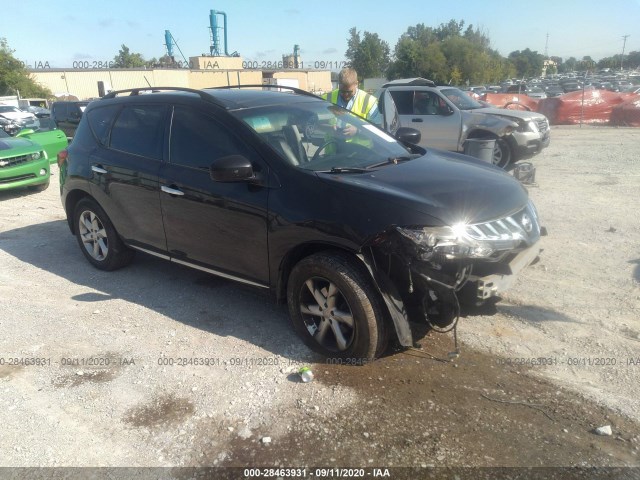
(67, 115)
(361, 233)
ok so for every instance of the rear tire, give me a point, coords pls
(335, 308)
(97, 237)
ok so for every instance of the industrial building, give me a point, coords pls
(219, 68)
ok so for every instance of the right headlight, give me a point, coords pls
(463, 240)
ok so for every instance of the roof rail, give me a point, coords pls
(138, 91)
(293, 89)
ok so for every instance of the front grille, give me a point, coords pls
(543, 125)
(17, 179)
(523, 224)
(13, 161)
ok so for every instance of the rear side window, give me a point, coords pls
(139, 129)
(197, 139)
(100, 120)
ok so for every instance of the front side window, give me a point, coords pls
(460, 99)
(139, 129)
(197, 139)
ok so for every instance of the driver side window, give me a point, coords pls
(197, 139)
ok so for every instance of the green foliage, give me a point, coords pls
(632, 60)
(446, 55)
(126, 59)
(14, 77)
(527, 63)
(369, 56)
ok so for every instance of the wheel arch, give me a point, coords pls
(511, 143)
(395, 315)
(298, 253)
(71, 200)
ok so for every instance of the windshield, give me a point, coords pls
(460, 99)
(8, 109)
(322, 137)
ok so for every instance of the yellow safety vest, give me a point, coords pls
(362, 104)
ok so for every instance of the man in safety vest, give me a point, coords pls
(349, 96)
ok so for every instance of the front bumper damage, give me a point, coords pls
(492, 285)
(421, 287)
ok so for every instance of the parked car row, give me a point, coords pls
(66, 116)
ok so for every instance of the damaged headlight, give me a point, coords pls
(462, 241)
(528, 126)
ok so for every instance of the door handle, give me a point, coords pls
(98, 169)
(171, 191)
(416, 120)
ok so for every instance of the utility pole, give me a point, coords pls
(545, 64)
(624, 44)
(546, 47)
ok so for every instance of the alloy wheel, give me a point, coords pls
(93, 235)
(327, 315)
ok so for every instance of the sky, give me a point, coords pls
(62, 34)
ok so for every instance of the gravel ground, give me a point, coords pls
(121, 380)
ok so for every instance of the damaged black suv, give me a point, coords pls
(362, 234)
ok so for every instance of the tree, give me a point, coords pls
(569, 65)
(446, 55)
(369, 56)
(14, 77)
(126, 59)
(528, 63)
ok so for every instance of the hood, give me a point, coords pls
(506, 112)
(447, 186)
(17, 115)
(13, 147)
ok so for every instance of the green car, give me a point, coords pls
(25, 159)
(23, 163)
(48, 136)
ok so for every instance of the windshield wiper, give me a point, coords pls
(346, 170)
(394, 160)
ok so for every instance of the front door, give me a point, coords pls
(221, 226)
(429, 113)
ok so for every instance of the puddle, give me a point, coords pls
(160, 411)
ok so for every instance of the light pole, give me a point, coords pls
(624, 37)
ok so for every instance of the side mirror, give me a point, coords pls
(445, 111)
(232, 168)
(408, 135)
(25, 132)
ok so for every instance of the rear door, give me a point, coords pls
(125, 170)
(218, 227)
(426, 111)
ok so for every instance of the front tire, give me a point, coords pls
(335, 308)
(501, 154)
(98, 238)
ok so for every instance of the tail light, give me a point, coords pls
(62, 157)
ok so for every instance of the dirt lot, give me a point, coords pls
(116, 383)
